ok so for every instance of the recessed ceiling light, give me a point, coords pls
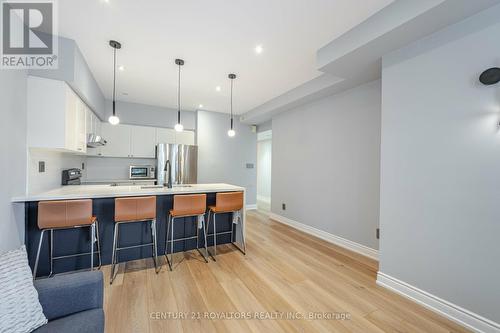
(121, 68)
(218, 88)
(200, 106)
(259, 49)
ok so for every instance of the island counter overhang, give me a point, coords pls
(71, 241)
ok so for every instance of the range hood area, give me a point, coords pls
(94, 141)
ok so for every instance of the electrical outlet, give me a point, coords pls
(283, 206)
(41, 166)
(378, 233)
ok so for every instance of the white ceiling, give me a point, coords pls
(214, 38)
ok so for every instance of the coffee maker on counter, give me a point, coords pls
(71, 177)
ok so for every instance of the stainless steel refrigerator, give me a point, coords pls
(183, 163)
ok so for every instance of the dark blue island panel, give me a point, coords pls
(72, 241)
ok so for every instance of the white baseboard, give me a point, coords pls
(449, 310)
(348, 244)
(251, 207)
(263, 199)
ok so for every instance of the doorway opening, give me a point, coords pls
(264, 154)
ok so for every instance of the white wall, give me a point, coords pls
(264, 167)
(440, 166)
(222, 159)
(325, 164)
(55, 163)
(13, 151)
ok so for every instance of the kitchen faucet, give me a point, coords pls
(167, 168)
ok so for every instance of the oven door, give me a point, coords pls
(140, 172)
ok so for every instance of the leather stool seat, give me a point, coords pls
(66, 214)
(133, 210)
(227, 202)
(189, 205)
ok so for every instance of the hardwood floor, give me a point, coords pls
(284, 271)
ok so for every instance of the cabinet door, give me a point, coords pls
(93, 127)
(165, 135)
(184, 138)
(71, 110)
(89, 120)
(143, 142)
(118, 140)
(80, 127)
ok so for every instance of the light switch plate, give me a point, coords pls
(41, 166)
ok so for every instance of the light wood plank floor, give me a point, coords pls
(284, 271)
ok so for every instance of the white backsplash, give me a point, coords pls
(95, 168)
(111, 168)
(55, 162)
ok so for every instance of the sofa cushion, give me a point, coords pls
(20, 310)
(90, 321)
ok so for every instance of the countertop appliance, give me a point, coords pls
(180, 161)
(142, 172)
(71, 177)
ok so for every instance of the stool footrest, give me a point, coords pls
(220, 233)
(133, 246)
(75, 255)
(181, 239)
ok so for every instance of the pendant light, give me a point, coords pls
(113, 119)
(178, 127)
(231, 131)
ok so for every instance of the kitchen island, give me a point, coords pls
(71, 241)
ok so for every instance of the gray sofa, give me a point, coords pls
(72, 303)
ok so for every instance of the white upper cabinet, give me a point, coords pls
(118, 140)
(168, 135)
(93, 125)
(165, 135)
(56, 116)
(184, 138)
(142, 141)
(80, 126)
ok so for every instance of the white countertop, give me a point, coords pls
(107, 191)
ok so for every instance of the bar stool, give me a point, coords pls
(192, 205)
(67, 214)
(133, 210)
(227, 202)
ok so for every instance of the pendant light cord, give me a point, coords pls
(179, 97)
(114, 80)
(232, 103)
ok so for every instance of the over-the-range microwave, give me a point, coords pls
(142, 172)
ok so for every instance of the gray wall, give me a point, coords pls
(440, 166)
(13, 152)
(325, 164)
(148, 115)
(267, 126)
(222, 159)
(74, 69)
